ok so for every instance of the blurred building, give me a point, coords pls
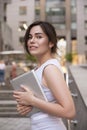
(20, 14)
(69, 18)
(5, 30)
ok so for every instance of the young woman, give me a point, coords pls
(41, 42)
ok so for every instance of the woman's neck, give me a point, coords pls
(42, 60)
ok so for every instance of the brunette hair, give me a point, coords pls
(48, 29)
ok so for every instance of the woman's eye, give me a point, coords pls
(30, 37)
(39, 37)
(36, 37)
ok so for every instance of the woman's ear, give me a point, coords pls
(51, 44)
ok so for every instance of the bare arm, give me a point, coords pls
(55, 82)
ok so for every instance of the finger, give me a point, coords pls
(24, 111)
(25, 88)
(16, 93)
(16, 96)
(21, 107)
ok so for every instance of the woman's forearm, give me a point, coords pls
(55, 109)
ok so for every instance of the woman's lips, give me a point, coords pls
(32, 47)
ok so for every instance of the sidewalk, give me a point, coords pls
(80, 76)
(14, 124)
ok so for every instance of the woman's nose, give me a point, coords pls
(32, 39)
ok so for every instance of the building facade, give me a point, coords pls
(82, 27)
(20, 14)
(70, 20)
(5, 30)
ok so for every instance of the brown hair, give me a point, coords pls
(48, 29)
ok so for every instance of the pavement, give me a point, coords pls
(80, 76)
(79, 73)
(14, 124)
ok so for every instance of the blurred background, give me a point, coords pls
(69, 17)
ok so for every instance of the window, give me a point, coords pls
(22, 26)
(37, 9)
(55, 14)
(85, 40)
(56, 11)
(85, 9)
(73, 25)
(73, 3)
(85, 24)
(73, 10)
(22, 10)
(59, 25)
(53, 9)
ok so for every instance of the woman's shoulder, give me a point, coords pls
(52, 62)
(49, 62)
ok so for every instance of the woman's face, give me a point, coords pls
(38, 43)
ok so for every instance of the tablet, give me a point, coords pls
(30, 80)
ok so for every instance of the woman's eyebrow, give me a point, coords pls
(37, 33)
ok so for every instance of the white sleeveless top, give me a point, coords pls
(41, 120)
(39, 73)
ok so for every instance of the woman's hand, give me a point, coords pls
(23, 110)
(24, 97)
